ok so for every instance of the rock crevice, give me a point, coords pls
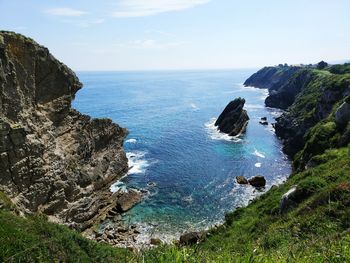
(53, 159)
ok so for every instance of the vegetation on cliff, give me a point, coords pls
(302, 220)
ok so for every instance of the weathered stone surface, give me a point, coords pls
(128, 200)
(234, 119)
(155, 241)
(241, 180)
(190, 238)
(342, 115)
(53, 159)
(257, 181)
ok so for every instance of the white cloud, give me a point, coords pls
(65, 11)
(138, 8)
(151, 44)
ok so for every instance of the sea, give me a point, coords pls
(176, 155)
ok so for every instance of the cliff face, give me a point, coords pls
(234, 119)
(53, 159)
(271, 78)
(316, 116)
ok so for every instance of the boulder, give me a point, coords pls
(287, 200)
(241, 180)
(234, 119)
(128, 199)
(263, 118)
(257, 181)
(190, 238)
(155, 241)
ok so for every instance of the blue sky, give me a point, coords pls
(183, 34)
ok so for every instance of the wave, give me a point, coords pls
(258, 165)
(131, 141)
(215, 134)
(259, 154)
(137, 163)
(194, 107)
(118, 186)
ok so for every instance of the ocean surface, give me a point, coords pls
(174, 150)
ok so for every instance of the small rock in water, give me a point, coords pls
(263, 118)
(263, 122)
(257, 181)
(128, 200)
(151, 184)
(241, 180)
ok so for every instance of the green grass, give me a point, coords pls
(315, 229)
(33, 239)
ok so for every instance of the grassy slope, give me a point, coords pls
(315, 230)
(33, 239)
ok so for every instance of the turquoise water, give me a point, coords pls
(176, 154)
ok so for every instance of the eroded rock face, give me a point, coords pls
(234, 119)
(53, 159)
(342, 115)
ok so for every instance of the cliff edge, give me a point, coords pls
(53, 160)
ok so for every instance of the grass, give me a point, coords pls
(316, 227)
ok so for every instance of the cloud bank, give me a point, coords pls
(139, 8)
(65, 11)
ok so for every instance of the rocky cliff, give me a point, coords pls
(234, 119)
(53, 160)
(316, 104)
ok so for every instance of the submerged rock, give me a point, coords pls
(263, 122)
(234, 119)
(241, 180)
(257, 181)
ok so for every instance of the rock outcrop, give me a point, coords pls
(257, 181)
(241, 180)
(53, 160)
(342, 115)
(271, 78)
(308, 96)
(234, 119)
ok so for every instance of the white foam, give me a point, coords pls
(137, 163)
(259, 154)
(215, 134)
(258, 165)
(194, 107)
(131, 141)
(118, 186)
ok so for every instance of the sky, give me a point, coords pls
(183, 34)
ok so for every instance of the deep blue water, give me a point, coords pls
(177, 155)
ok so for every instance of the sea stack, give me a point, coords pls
(234, 119)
